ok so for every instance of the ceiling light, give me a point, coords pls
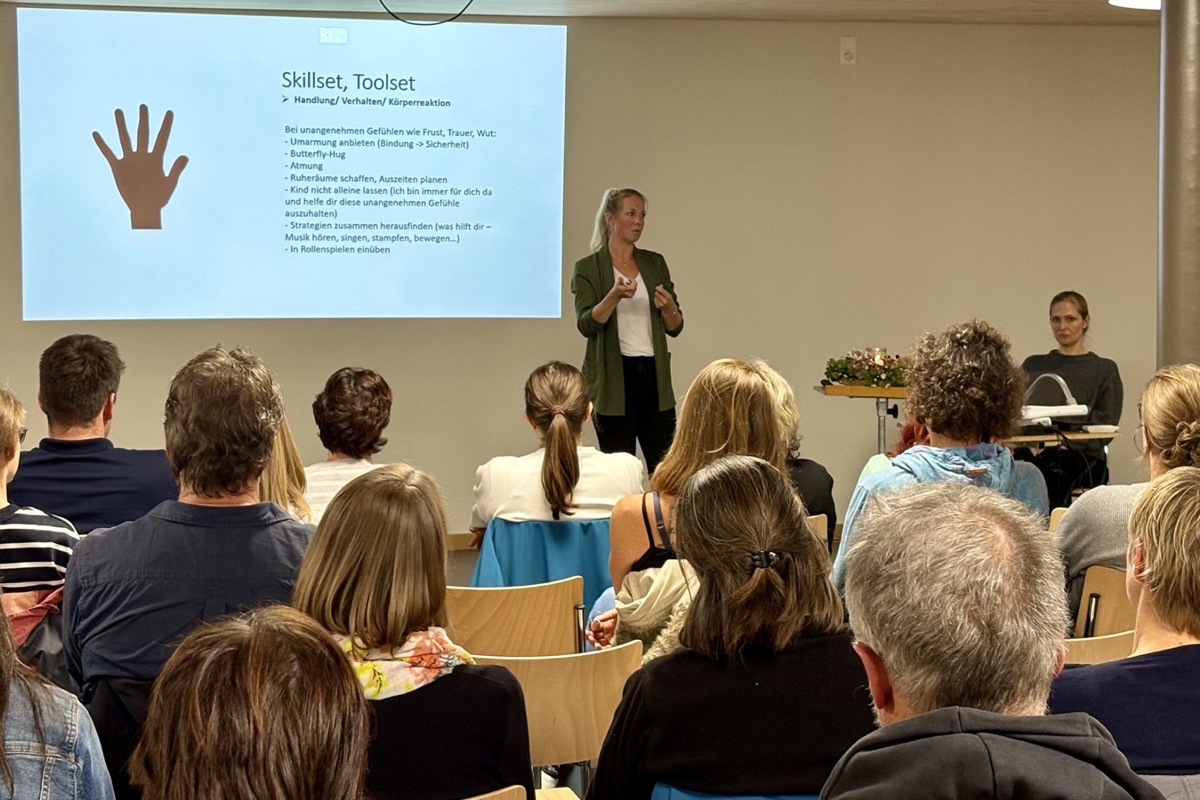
(1152, 5)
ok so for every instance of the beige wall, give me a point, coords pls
(805, 208)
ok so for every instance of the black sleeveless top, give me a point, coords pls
(656, 555)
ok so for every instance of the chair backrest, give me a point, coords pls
(522, 553)
(535, 620)
(1056, 516)
(458, 542)
(1104, 606)
(820, 526)
(570, 700)
(509, 793)
(1098, 649)
(664, 792)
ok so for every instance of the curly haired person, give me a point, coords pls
(965, 388)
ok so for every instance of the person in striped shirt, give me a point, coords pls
(34, 546)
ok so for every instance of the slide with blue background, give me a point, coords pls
(188, 166)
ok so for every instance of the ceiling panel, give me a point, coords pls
(1060, 12)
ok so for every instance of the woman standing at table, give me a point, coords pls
(625, 305)
(1093, 381)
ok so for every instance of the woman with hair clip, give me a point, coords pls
(626, 307)
(255, 707)
(1093, 531)
(374, 576)
(730, 408)
(766, 693)
(562, 479)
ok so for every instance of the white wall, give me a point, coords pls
(805, 208)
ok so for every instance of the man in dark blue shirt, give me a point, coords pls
(133, 591)
(76, 472)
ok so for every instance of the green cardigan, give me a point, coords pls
(593, 279)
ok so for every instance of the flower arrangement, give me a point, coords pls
(871, 367)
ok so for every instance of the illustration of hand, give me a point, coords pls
(139, 173)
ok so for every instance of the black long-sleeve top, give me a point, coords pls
(769, 724)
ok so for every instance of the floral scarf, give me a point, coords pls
(424, 657)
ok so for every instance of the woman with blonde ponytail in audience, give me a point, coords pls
(562, 479)
(1093, 532)
(766, 693)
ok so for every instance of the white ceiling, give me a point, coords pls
(1063, 12)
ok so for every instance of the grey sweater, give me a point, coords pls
(1094, 532)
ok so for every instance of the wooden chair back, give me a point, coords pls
(1056, 516)
(820, 526)
(1104, 606)
(538, 620)
(1098, 649)
(570, 700)
(457, 543)
(507, 793)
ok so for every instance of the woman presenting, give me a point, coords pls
(1093, 381)
(626, 306)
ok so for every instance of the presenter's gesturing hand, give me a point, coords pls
(139, 175)
(622, 289)
(663, 301)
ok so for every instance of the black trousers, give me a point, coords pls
(1066, 469)
(642, 422)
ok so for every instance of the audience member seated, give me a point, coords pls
(283, 481)
(34, 546)
(258, 707)
(49, 747)
(912, 433)
(76, 472)
(1094, 531)
(964, 387)
(1093, 381)
(562, 479)
(134, 591)
(1150, 701)
(352, 412)
(375, 577)
(811, 480)
(766, 693)
(955, 597)
(730, 409)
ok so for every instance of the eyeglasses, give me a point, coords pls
(21, 435)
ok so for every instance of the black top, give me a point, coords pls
(656, 554)
(1149, 703)
(769, 724)
(1094, 382)
(462, 735)
(814, 484)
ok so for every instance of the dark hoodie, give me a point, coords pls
(966, 754)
